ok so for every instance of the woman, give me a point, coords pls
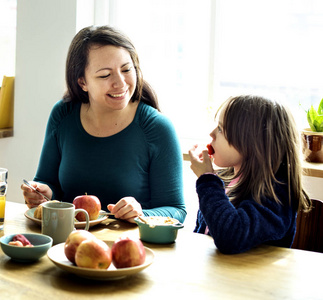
(107, 137)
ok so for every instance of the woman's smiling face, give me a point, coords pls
(110, 77)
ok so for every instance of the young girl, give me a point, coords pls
(254, 198)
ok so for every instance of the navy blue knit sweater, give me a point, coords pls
(238, 229)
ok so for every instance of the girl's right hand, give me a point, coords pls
(33, 199)
(200, 162)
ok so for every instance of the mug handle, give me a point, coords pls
(87, 226)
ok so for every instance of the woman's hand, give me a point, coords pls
(200, 162)
(127, 208)
(32, 198)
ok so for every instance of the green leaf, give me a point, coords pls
(315, 118)
(318, 123)
(311, 115)
(320, 109)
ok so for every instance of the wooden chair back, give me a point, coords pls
(309, 228)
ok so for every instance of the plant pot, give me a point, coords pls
(312, 145)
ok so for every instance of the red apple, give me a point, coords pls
(128, 252)
(90, 203)
(74, 239)
(94, 254)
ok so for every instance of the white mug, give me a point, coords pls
(58, 220)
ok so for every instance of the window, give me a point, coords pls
(198, 53)
(271, 48)
(8, 16)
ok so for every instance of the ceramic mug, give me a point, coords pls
(58, 220)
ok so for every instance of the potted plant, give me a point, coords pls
(312, 138)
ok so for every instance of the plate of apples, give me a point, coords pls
(89, 257)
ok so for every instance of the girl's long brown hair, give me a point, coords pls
(265, 134)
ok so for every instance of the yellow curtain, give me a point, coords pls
(6, 102)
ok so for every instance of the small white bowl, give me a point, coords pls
(41, 244)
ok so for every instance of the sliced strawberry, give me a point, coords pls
(16, 243)
(210, 149)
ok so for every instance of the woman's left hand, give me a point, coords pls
(127, 208)
(200, 162)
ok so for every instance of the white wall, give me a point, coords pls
(45, 29)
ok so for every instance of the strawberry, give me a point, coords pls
(21, 238)
(210, 149)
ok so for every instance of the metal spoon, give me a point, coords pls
(105, 213)
(29, 185)
(142, 219)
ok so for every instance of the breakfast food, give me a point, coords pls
(84, 250)
(153, 221)
(210, 149)
(74, 239)
(16, 243)
(39, 211)
(90, 203)
(93, 254)
(128, 252)
(20, 241)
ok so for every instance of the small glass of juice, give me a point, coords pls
(3, 193)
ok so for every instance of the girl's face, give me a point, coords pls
(110, 77)
(225, 155)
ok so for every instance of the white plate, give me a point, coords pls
(57, 256)
(29, 214)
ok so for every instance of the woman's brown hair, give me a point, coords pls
(77, 60)
(265, 134)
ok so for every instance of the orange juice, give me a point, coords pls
(2, 207)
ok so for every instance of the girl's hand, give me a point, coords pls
(127, 208)
(200, 162)
(32, 198)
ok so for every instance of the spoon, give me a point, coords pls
(142, 219)
(29, 185)
(105, 213)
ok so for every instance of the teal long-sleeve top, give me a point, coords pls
(143, 161)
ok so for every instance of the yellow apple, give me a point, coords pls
(74, 239)
(94, 254)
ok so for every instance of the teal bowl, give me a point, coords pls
(41, 244)
(158, 234)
